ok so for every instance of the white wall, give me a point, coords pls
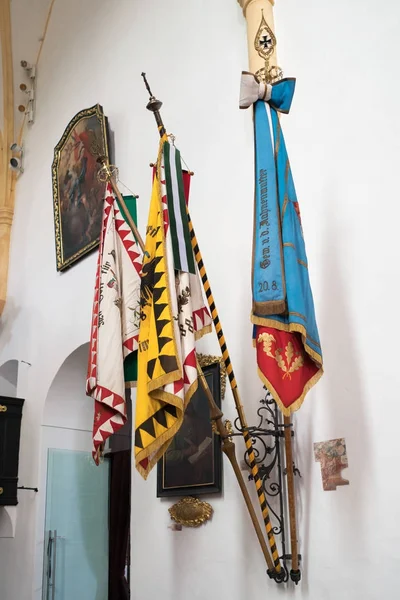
(9, 378)
(70, 382)
(342, 137)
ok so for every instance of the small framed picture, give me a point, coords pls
(78, 194)
(193, 462)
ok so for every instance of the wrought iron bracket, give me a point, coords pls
(268, 444)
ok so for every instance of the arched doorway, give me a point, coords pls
(74, 516)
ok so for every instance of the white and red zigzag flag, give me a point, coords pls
(115, 321)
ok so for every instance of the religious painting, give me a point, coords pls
(77, 192)
(193, 462)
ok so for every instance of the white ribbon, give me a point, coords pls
(252, 90)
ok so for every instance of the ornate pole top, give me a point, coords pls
(245, 3)
(261, 39)
(154, 106)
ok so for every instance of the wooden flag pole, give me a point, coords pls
(228, 447)
(295, 572)
(263, 63)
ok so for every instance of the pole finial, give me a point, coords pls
(154, 106)
(146, 83)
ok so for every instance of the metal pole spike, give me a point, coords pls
(153, 104)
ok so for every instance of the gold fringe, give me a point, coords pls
(161, 442)
(165, 439)
(191, 391)
(273, 307)
(162, 380)
(287, 411)
(262, 321)
(166, 397)
(199, 334)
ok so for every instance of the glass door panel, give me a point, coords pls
(76, 527)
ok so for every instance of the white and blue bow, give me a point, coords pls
(279, 95)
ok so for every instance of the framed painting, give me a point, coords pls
(77, 193)
(193, 462)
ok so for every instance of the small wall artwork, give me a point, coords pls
(332, 455)
(78, 194)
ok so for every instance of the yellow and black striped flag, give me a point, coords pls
(173, 316)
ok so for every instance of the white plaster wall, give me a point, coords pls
(342, 137)
(9, 378)
(67, 404)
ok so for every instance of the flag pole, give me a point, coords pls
(295, 571)
(253, 11)
(278, 574)
(261, 40)
(106, 168)
(228, 448)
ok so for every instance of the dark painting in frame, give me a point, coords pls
(185, 468)
(77, 193)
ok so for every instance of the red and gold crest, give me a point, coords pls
(284, 366)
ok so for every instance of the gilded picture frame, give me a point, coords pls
(77, 193)
(192, 464)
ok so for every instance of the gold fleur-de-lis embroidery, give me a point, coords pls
(293, 361)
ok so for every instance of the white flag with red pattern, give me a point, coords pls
(115, 321)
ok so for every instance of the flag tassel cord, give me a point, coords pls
(154, 106)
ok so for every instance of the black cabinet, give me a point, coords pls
(10, 428)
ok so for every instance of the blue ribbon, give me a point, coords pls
(282, 94)
(282, 294)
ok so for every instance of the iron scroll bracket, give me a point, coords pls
(268, 437)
